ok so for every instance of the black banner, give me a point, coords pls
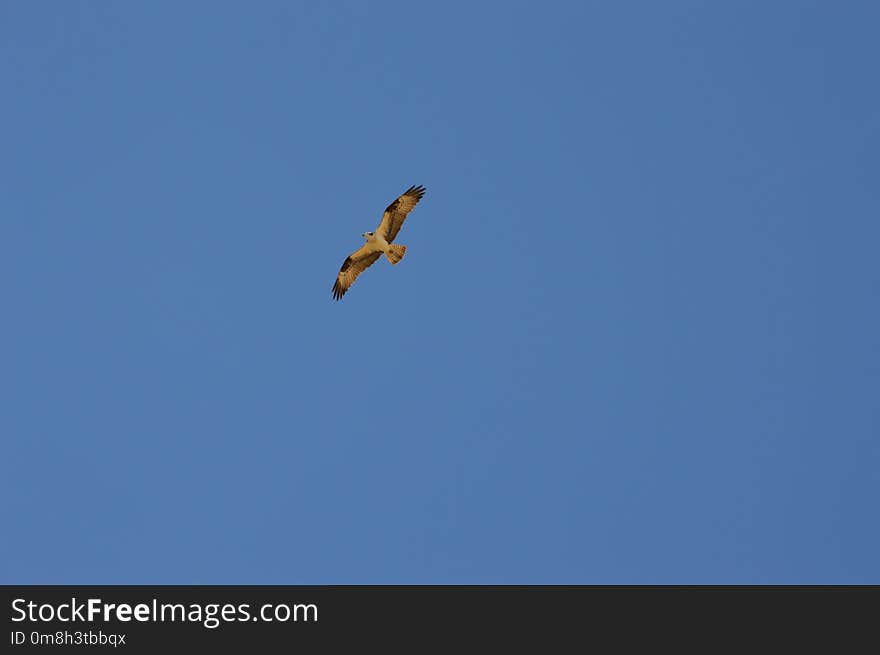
(158, 618)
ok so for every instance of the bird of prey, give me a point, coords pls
(379, 242)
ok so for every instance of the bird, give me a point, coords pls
(379, 242)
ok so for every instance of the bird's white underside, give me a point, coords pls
(376, 243)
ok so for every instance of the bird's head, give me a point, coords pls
(367, 235)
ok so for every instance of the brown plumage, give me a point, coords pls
(395, 214)
(378, 242)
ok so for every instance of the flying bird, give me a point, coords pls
(379, 242)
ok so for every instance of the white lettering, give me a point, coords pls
(23, 614)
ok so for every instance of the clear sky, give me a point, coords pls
(635, 338)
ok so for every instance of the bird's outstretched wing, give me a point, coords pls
(355, 264)
(395, 214)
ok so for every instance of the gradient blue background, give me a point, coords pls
(636, 337)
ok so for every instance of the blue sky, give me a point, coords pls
(635, 338)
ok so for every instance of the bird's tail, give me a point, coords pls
(395, 253)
